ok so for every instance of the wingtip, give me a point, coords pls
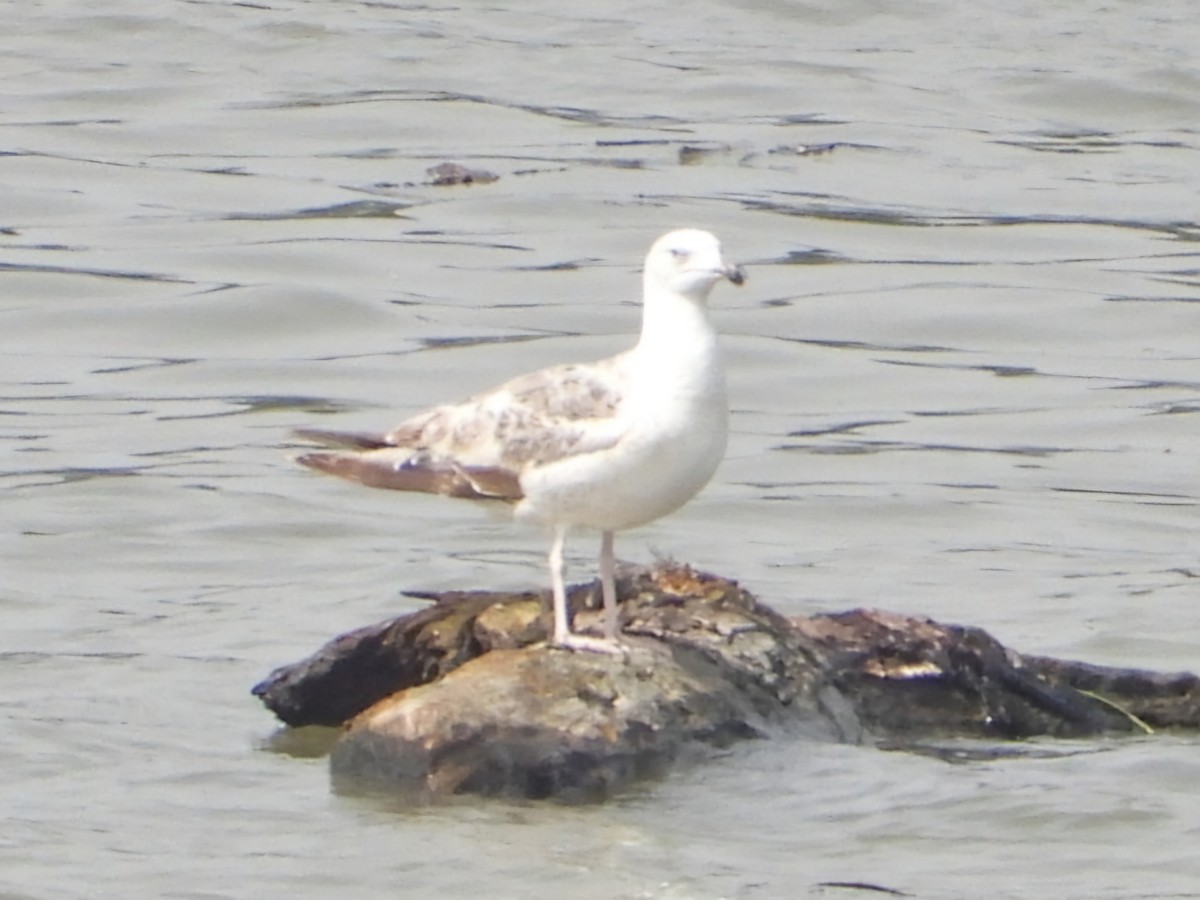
(355, 440)
(330, 463)
(357, 467)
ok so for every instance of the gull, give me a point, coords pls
(608, 445)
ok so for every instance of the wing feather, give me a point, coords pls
(406, 472)
(533, 419)
(479, 448)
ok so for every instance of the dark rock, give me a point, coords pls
(915, 677)
(1149, 700)
(465, 696)
(449, 173)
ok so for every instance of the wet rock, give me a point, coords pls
(464, 696)
(918, 678)
(542, 723)
(449, 173)
(1150, 700)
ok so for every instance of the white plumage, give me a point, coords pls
(609, 445)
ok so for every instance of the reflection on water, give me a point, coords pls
(964, 377)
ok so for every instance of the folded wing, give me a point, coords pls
(478, 449)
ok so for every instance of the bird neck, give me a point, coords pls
(677, 362)
(675, 325)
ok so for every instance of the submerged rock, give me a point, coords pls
(450, 173)
(466, 697)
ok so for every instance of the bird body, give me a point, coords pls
(608, 445)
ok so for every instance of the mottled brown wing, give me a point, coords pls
(570, 393)
(536, 418)
(478, 449)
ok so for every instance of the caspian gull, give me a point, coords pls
(609, 445)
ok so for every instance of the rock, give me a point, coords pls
(539, 723)
(364, 666)
(1149, 700)
(914, 677)
(465, 696)
(448, 173)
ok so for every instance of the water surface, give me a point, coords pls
(964, 375)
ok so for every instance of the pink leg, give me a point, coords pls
(608, 587)
(563, 636)
(562, 629)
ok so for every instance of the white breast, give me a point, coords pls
(674, 417)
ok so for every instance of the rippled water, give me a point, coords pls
(965, 380)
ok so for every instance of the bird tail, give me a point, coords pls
(402, 470)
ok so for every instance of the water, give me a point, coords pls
(964, 373)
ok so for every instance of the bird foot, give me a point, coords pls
(584, 644)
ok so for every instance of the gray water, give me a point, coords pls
(965, 377)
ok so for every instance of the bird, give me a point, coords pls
(607, 445)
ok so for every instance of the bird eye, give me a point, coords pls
(679, 253)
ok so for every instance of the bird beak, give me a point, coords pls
(736, 274)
